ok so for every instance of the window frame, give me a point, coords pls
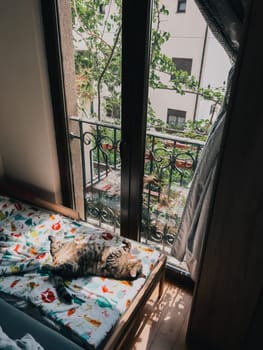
(182, 61)
(171, 112)
(179, 4)
(135, 72)
(50, 21)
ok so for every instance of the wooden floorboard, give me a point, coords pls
(164, 322)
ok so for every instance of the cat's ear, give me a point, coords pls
(51, 238)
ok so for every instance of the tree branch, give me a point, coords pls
(185, 91)
(86, 30)
(104, 70)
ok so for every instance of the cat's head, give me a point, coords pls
(134, 269)
(127, 268)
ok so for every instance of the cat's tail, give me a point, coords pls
(58, 283)
(63, 295)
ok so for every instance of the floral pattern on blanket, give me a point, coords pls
(98, 302)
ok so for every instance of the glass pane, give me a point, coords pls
(181, 110)
(181, 6)
(97, 44)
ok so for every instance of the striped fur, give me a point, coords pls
(72, 259)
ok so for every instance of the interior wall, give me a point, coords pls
(1, 168)
(27, 139)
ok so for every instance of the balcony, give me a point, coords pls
(170, 162)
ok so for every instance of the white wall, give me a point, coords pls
(216, 67)
(187, 41)
(1, 167)
(187, 31)
(27, 140)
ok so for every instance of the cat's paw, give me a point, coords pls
(66, 298)
(127, 245)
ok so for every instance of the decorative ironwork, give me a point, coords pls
(170, 162)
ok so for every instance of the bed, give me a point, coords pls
(104, 311)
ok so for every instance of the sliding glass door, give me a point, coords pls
(111, 63)
(145, 106)
(97, 42)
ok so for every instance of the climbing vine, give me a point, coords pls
(97, 41)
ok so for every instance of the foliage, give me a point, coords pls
(198, 126)
(197, 129)
(155, 122)
(181, 82)
(98, 68)
(99, 64)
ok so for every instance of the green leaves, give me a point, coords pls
(98, 67)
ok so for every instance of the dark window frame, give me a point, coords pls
(50, 20)
(135, 74)
(181, 6)
(176, 113)
(183, 63)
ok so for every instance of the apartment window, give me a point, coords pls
(184, 64)
(102, 9)
(112, 109)
(181, 6)
(176, 118)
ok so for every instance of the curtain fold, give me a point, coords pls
(225, 18)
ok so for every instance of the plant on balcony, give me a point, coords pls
(198, 126)
(197, 130)
(98, 62)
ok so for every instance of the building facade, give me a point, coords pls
(193, 48)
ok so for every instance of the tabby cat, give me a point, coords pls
(73, 259)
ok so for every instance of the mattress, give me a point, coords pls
(98, 302)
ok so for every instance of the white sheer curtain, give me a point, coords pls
(226, 19)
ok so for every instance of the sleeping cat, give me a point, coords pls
(73, 259)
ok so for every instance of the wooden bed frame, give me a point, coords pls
(127, 324)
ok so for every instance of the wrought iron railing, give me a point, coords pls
(170, 162)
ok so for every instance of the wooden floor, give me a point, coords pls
(164, 322)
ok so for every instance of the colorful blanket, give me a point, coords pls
(24, 247)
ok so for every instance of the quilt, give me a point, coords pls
(98, 302)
